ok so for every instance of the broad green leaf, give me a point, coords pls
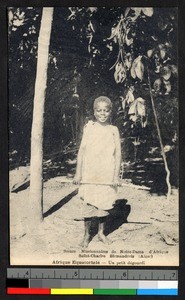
(133, 68)
(157, 85)
(120, 72)
(129, 97)
(174, 69)
(92, 9)
(166, 72)
(132, 72)
(140, 100)
(162, 53)
(139, 70)
(127, 40)
(141, 110)
(168, 87)
(10, 16)
(150, 52)
(116, 77)
(137, 10)
(167, 148)
(148, 11)
(133, 108)
(123, 103)
(133, 118)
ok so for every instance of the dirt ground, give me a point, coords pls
(142, 229)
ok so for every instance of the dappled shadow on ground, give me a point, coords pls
(117, 216)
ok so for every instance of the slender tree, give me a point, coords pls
(130, 33)
(36, 178)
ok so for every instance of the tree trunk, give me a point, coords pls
(36, 178)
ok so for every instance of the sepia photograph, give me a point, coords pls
(93, 136)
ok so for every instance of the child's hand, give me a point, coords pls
(77, 179)
(116, 181)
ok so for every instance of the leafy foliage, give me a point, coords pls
(145, 39)
(93, 51)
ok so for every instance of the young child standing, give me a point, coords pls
(98, 167)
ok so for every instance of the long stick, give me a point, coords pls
(139, 187)
(160, 139)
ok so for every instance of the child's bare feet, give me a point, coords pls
(101, 235)
(86, 239)
(85, 242)
(104, 239)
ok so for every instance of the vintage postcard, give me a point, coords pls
(93, 136)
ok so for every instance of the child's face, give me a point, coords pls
(102, 112)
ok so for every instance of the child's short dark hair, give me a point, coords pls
(102, 99)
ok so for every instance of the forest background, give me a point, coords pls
(128, 54)
(96, 51)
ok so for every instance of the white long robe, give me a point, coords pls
(98, 165)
